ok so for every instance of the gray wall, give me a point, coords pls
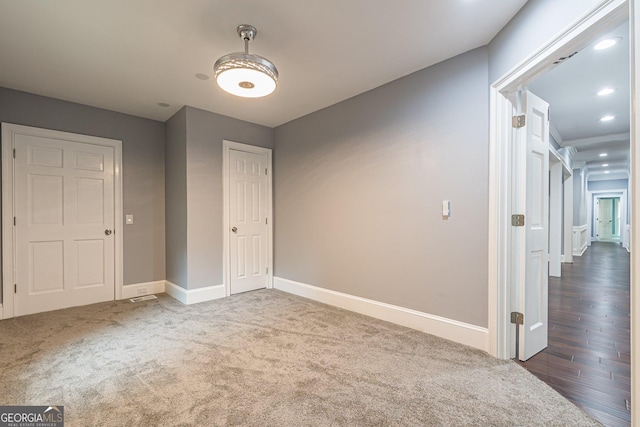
(537, 22)
(579, 197)
(610, 184)
(359, 186)
(142, 170)
(194, 201)
(176, 197)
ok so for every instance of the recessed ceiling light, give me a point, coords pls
(164, 104)
(607, 118)
(202, 76)
(606, 91)
(603, 154)
(606, 171)
(604, 165)
(607, 43)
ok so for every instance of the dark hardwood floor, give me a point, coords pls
(588, 358)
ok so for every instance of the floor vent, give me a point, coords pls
(144, 298)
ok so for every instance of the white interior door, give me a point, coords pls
(64, 218)
(248, 241)
(605, 219)
(533, 279)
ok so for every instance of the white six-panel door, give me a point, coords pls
(534, 277)
(248, 250)
(605, 219)
(64, 223)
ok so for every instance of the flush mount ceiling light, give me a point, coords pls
(602, 154)
(607, 118)
(246, 74)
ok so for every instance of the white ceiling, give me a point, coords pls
(571, 88)
(128, 56)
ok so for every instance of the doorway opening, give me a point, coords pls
(507, 256)
(606, 212)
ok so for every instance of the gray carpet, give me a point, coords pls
(263, 358)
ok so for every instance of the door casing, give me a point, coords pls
(8, 238)
(591, 218)
(227, 146)
(601, 17)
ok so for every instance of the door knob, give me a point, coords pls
(234, 229)
(107, 232)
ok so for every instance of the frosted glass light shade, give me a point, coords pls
(246, 75)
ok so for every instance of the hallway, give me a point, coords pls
(588, 357)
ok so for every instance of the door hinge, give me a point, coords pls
(517, 220)
(267, 270)
(15, 288)
(14, 153)
(517, 318)
(518, 121)
(14, 220)
(265, 171)
(266, 220)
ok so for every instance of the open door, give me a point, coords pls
(532, 139)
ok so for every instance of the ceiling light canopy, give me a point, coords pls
(245, 74)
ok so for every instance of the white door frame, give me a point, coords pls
(8, 238)
(606, 194)
(501, 191)
(226, 231)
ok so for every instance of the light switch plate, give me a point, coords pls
(446, 208)
(128, 219)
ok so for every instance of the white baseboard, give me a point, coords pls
(141, 289)
(460, 332)
(582, 252)
(193, 296)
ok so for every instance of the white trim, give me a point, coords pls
(460, 332)
(599, 194)
(634, 190)
(567, 223)
(141, 289)
(580, 239)
(194, 296)
(226, 147)
(8, 240)
(574, 37)
(555, 133)
(614, 137)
